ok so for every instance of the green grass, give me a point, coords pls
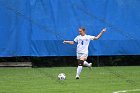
(44, 80)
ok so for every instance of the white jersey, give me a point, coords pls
(83, 43)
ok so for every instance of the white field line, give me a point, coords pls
(123, 91)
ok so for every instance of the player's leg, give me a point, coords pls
(80, 65)
(89, 65)
(79, 68)
(85, 62)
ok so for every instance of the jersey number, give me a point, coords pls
(82, 43)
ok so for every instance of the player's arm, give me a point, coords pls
(100, 34)
(68, 42)
(71, 42)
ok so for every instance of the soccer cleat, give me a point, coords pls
(77, 77)
(90, 66)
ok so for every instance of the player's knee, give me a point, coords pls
(80, 62)
(83, 58)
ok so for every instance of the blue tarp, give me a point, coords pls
(38, 27)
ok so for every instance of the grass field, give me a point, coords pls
(44, 80)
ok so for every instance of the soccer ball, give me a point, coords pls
(61, 76)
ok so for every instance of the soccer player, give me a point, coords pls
(83, 41)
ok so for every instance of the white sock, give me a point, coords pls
(86, 64)
(79, 69)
